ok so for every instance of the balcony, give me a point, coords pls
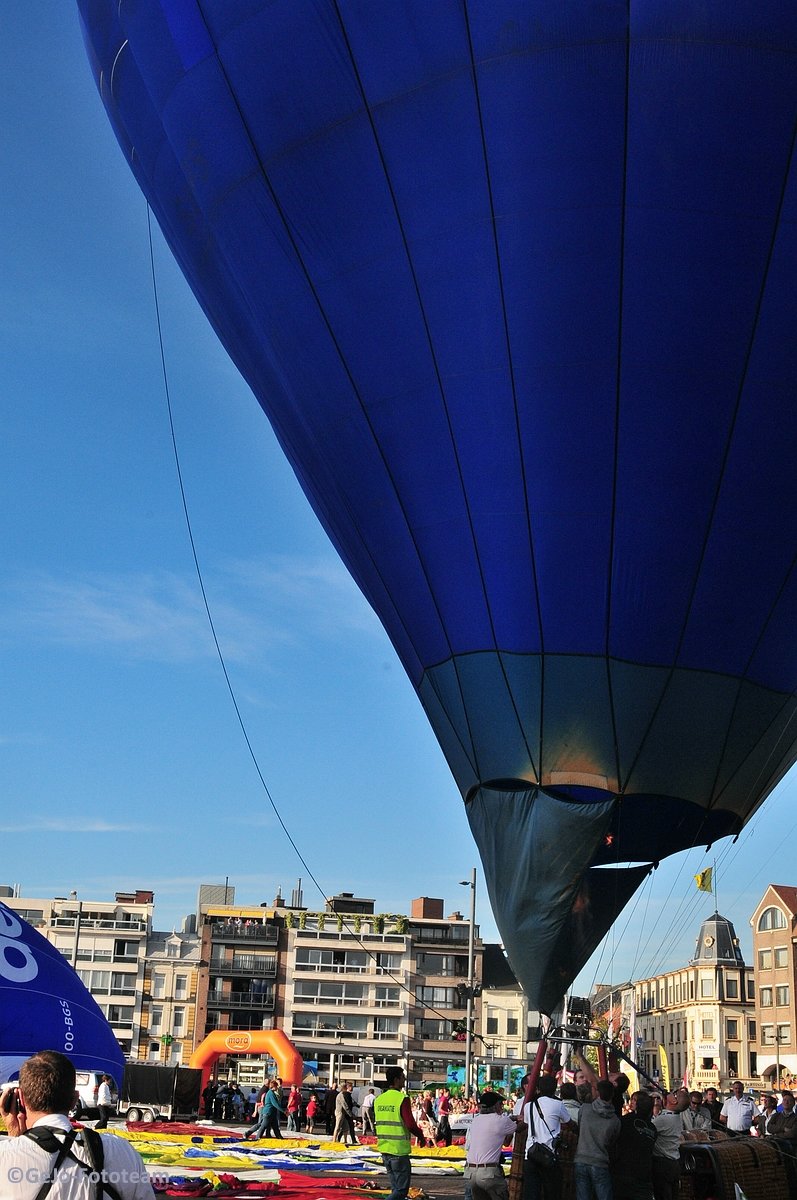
(395, 939)
(229, 931)
(110, 925)
(343, 1035)
(330, 1001)
(349, 969)
(259, 966)
(254, 1000)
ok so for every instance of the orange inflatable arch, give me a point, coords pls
(290, 1066)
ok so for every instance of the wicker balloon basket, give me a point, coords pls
(765, 1169)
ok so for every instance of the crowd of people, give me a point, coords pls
(622, 1146)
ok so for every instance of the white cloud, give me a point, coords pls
(256, 607)
(33, 824)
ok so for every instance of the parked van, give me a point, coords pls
(87, 1084)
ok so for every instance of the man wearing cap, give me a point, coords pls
(488, 1131)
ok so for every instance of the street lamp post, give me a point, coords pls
(471, 883)
(78, 917)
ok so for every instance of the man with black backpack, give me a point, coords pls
(44, 1157)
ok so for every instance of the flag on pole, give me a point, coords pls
(703, 880)
(664, 1067)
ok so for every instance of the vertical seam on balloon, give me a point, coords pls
(726, 455)
(435, 364)
(513, 385)
(471, 756)
(617, 403)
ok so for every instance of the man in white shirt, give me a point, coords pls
(42, 1148)
(546, 1117)
(667, 1150)
(488, 1131)
(104, 1102)
(739, 1110)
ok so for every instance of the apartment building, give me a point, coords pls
(241, 967)
(106, 942)
(438, 1001)
(508, 1026)
(168, 1011)
(348, 978)
(774, 926)
(701, 1013)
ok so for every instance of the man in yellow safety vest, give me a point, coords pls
(394, 1126)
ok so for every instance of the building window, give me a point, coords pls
(784, 1035)
(158, 985)
(120, 1014)
(732, 987)
(123, 983)
(767, 1035)
(766, 997)
(751, 1030)
(751, 988)
(125, 951)
(732, 1029)
(733, 1062)
(781, 956)
(708, 1027)
(156, 1016)
(764, 960)
(178, 1020)
(511, 1026)
(771, 918)
(172, 950)
(782, 994)
(492, 1025)
(437, 997)
(181, 987)
(511, 1051)
(753, 1062)
(154, 1051)
(706, 988)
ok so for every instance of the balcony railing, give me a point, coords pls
(349, 969)
(110, 924)
(253, 1000)
(395, 939)
(229, 931)
(344, 1035)
(262, 966)
(331, 1001)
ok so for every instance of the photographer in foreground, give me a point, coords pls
(45, 1157)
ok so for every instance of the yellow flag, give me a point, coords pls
(703, 880)
(665, 1069)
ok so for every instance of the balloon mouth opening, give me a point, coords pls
(577, 793)
(500, 785)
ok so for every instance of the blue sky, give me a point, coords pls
(123, 762)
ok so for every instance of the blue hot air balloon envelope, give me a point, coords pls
(45, 1006)
(515, 285)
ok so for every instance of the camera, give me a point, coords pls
(10, 1103)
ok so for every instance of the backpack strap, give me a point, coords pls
(49, 1141)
